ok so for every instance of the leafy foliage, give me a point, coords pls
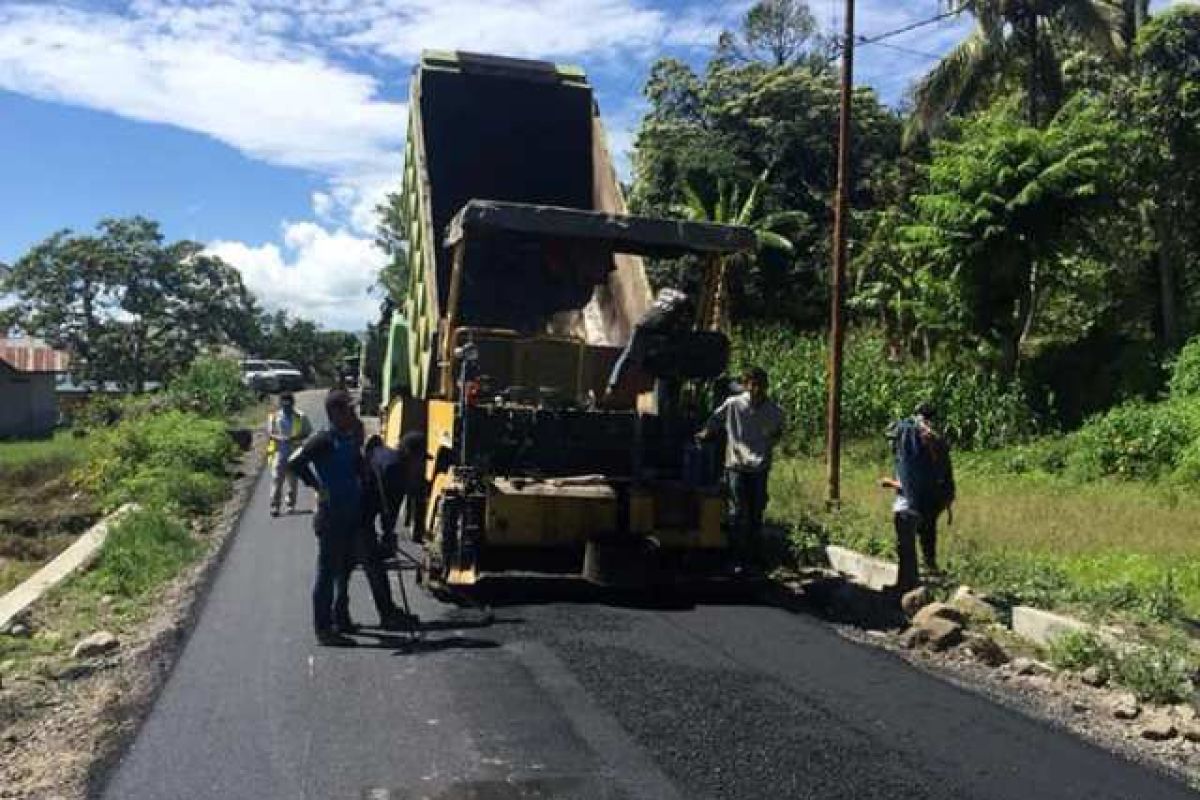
(127, 304)
(1185, 371)
(142, 550)
(211, 387)
(172, 459)
(315, 351)
(1134, 440)
(977, 410)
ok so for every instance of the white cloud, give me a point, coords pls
(316, 272)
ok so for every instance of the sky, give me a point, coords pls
(269, 129)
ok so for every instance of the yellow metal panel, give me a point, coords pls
(441, 431)
(537, 519)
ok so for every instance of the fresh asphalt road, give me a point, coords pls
(570, 700)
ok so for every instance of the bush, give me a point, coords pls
(211, 387)
(1078, 650)
(142, 550)
(1134, 440)
(1155, 674)
(1185, 371)
(175, 458)
(977, 409)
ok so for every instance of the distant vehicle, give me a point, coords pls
(287, 376)
(348, 372)
(258, 377)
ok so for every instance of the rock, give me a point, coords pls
(1080, 707)
(106, 600)
(1093, 676)
(1159, 728)
(985, 649)
(973, 605)
(942, 633)
(1184, 712)
(1126, 707)
(19, 629)
(1031, 666)
(942, 611)
(914, 637)
(914, 600)
(97, 644)
(1190, 731)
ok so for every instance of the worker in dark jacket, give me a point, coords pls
(331, 463)
(397, 478)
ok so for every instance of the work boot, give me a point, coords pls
(397, 620)
(274, 511)
(331, 638)
(346, 625)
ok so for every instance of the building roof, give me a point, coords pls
(29, 354)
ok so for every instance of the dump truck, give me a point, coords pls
(526, 284)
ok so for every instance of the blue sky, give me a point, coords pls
(268, 129)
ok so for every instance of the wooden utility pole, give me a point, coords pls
(833, 416)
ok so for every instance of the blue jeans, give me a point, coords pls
(330, 595)
(748, 491)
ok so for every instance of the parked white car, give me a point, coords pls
(259, 377)
(287, 376)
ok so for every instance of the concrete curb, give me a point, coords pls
(1033, 624)
(874, 573)
(77, 557)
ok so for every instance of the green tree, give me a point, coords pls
(1166, 104)
(392, 238)
(128, 305)
(1007, 219)
(315, 351)
(774, 32)
(1015, 43)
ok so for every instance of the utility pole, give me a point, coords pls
(837, 335)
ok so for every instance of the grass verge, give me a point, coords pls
(1106, 546)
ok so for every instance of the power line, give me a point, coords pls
(863, 40)
(905, 50)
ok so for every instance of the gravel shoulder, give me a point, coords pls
(61, 730)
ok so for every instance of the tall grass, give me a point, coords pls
(1108, 545)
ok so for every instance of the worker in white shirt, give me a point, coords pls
(287, 428)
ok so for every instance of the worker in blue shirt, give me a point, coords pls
(331, 463)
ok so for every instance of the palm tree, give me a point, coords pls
(1016, 39)
(729, 206)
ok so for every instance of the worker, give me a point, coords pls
(753, 424)
(287, 428)
(331, 463)
(670, 313)
(398, 479)
(924, 485)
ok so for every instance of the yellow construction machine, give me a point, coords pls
(526, 286)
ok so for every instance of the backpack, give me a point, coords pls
(922, 466)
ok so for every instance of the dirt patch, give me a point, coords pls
(63, 726)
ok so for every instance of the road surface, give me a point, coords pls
(570, 700)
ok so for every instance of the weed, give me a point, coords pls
(1078, 650)
(1155, 674)
(142, 550)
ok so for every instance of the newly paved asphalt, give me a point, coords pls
(566, 699)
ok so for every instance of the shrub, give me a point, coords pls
(1155, 674)
(1185, 371)
(142, 550)
(1134, 440)
(211, 387)
(173, 457)
(1078, 650)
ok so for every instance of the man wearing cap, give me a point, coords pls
(287, 428)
